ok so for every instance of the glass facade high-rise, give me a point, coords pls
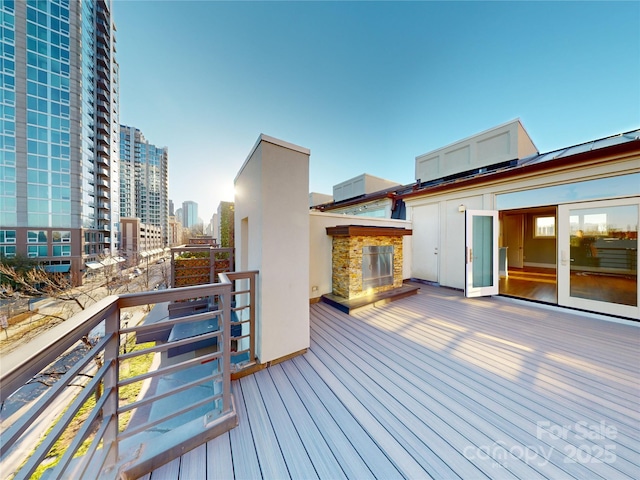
(59, 136)
(144, 185)
(189, 213)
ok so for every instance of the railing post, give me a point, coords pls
(252, 316)
(225, 300)
(110, 410)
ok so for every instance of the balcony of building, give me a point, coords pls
(103, 125)
(199, 336)
(102, 59)
(103, 81)
(102, 139)
(102, 12)
(102, 106)
(102, 25)
(102, 151)
(252, 378)
(103, 35)
(405, 390)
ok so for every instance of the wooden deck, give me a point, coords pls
(438, 386)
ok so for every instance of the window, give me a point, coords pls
(36, 236)
(61, 236)
(62, 250)
(7, 251)
(34, 251)
(544, 227)
(7, 236)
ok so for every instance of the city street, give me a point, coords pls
(156, 276)
(12, 351)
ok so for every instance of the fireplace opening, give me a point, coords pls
(377, 266)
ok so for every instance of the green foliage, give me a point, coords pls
(127, 394)
(14, 269)
(227, 237)
(193, 255)
(20, 263)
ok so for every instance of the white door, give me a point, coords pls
(481, 245)
(426, 239)
(598, 256)
(514, 239)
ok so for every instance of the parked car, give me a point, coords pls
(137, 271)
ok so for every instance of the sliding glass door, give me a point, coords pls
(598, 256)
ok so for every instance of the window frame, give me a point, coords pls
(536, 233)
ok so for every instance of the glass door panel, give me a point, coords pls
(598, 251)
(481, 253)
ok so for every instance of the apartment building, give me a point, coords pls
(144, 182)
(59, 142)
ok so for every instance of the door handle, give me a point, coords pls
(563, 257)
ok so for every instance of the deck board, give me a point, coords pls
(322, 458)
(437, 394)
(331, 420)
(293, 450)
(218, 458)
(242, 448)
(272, 462)
(191, 464)
(424, 386)
(520, 394)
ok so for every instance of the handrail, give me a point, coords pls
(196, 384)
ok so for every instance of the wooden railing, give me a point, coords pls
(185, 399)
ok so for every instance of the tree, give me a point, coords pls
(23, 277)
(196, 230)
(11, 266)
(227, 237)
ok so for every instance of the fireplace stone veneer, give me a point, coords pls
(347, 258)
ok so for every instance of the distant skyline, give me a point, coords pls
(367, 86)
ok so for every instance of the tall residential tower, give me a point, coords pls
(144, 183)
(189, 213)
(59, 142)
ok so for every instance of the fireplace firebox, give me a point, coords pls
(377, 266)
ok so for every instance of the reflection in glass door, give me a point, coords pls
(598, 251)
(481, 253)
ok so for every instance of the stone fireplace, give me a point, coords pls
(366, 259)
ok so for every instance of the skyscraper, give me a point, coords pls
(59, 143)
(144, 185)
(189, 213)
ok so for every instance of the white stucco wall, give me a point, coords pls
(272, 236)
(450, 226)
(320, 245)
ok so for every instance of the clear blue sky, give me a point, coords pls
(367, 86)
